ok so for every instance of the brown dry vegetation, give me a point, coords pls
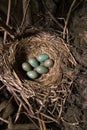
(22, 19)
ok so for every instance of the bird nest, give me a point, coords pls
(46, 95)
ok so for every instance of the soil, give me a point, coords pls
(74, 116)
(76, 107)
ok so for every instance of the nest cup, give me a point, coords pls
(32, 48)
(46, 95)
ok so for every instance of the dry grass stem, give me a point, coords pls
(7, 21)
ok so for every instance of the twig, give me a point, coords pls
(18, 112)
(31, 119)
(68, 16)
(48, 117)
(77, 5)
(72, 124)
(2, 87)
(7, 122)
(42, 124)
(7, 29)
(7, 21)
(25, 12)
(52, 17)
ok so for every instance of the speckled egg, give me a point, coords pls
(32, 74)
(26, 66)
(41, 70)
(48, 63)
(33, 62)
(42, 57)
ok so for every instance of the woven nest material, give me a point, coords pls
(46, 95)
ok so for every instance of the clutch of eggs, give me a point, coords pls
(37, 66)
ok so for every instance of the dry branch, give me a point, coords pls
(7, 29)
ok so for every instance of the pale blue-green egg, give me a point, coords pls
(41, 70)
(48, 63)
(26, 66)
(42, 57)
(33, 62)
(32, 74)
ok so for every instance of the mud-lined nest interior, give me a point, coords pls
(47, 94)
